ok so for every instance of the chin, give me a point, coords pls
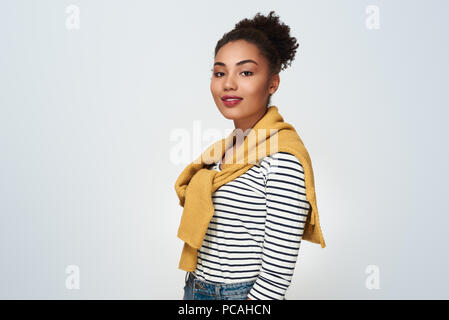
(231, 113)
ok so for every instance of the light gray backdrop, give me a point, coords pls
(93, 92)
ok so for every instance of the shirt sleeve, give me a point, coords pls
(287, 209)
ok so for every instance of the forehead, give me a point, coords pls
(235, 51)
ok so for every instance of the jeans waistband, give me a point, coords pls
(191, 275)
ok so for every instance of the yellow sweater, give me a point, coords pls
(196, 183)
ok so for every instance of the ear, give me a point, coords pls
(274, 83)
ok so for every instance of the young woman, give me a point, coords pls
(252, 241)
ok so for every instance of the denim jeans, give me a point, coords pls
(196, 289)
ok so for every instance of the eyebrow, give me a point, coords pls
(218, 63)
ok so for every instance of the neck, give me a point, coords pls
(249, 122)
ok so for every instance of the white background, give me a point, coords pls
(87, 172)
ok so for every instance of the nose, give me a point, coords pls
(230, 83)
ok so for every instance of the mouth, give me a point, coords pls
(231, 101)
(231, 98)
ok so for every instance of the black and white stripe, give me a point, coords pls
(256, 230)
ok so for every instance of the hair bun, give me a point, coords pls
(277, 33)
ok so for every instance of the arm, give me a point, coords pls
(287, 210)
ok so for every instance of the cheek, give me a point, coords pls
(253, 89)
(216, 93)
(214, 88)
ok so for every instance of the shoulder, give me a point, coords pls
(281, 163)
(282, 160)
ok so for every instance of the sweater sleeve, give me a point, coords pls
(287, 209)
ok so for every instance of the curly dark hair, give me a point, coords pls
(271, 36)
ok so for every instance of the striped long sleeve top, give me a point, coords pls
(257, 226)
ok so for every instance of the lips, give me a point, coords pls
(231, 98)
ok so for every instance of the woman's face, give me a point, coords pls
(240, 70)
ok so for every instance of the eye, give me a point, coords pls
(217, 74)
